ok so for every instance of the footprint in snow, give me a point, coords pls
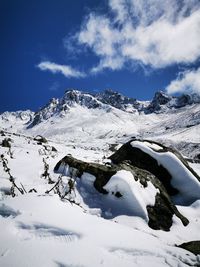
(44, 231)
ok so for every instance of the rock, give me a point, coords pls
(40, 139)
(187, 99)
(119, 101)
(6, 142)
(143, 160)
(2, 133)
(101, 172)
(54, 149)
(160, 215)
(160, 98)
(192, 246)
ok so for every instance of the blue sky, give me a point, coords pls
(133, 46)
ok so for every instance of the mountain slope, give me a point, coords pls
(100, 120)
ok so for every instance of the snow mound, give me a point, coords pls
(128, 196)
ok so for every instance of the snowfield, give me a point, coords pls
(56, 219)
(38, 229)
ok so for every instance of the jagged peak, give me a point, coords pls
(109, 99)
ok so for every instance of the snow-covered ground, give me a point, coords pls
(38, 229)
(98, 129)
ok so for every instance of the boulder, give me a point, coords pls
(40, 139)
(6, 142)
(192, 246)
(165, 163)
(159, 215)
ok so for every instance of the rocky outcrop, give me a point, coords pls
(40, 139)
(192, 246)
(6, 142)
(160, 215)
(101, 172)
(141, 159)
(119, 101)
(160, 98)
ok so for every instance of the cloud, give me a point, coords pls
(186, 82)
(149, 32)
(67, 71)
(54, 87)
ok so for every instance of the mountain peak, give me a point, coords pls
(109, 99)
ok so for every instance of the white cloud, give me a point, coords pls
(67, 71)
(150, 32)
(187, 82)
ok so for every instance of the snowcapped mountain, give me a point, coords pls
(99, 121)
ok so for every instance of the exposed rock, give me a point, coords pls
(119, 101)
(101, 172)
(2, 133)
(160, 215)
(140, 159)
(187, 99)
(160, 98)
(106, 100)
(192, 246)
(40, 139)
(6, 142)
(54, 149)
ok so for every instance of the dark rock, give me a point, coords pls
(6, 142)
(187, 99)
(119, 101)
(101, 172)
(160, 98)
(118, 194)
(54, 149)
(2, 133)
(192, 246)
(40, 139)
(142, 160)
(160, 215)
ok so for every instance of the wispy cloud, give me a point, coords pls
(54, 87)
(186, 82)
(149, 32)
(67, 71)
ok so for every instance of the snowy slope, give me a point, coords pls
(38, 229)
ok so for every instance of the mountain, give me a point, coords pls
(99, 121)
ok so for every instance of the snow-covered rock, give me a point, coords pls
(180, 181)
(128, 190)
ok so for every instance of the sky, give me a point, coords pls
(135, 47)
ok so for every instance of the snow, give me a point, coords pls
(182, 178)
(134, 197)
(68, 237)
(38, 229)
(153, 146)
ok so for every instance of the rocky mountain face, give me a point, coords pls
(108, 100)
(161, 102)
(109, 117)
